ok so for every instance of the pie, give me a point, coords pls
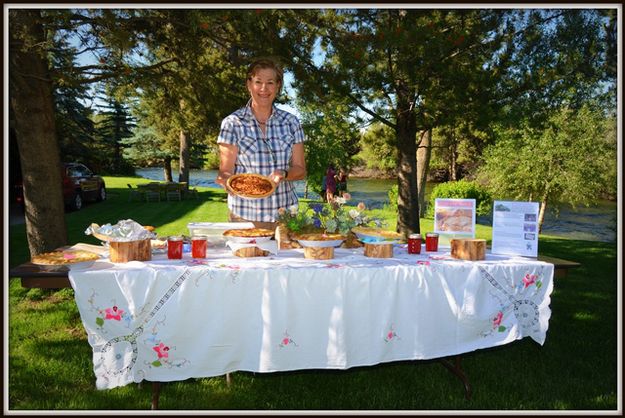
(64, 257)
(248, 233)
(376, 232)
(320, 237)
(251, 185)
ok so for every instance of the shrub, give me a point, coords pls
(392, 196)
(461, 189)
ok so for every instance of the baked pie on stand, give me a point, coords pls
(319, 246)
(251, 242)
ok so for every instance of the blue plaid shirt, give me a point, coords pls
(262, 154)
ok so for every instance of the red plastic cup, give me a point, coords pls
(431, 242)
(414, 244)
(174, 248)
(198, 246)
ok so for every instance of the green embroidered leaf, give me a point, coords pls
(501, 328)
(156, 363)
(539, 285)
(99, 321)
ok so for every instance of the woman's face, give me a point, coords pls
(263, 87)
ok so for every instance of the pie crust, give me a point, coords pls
(248, 233)
(376, 232)
(251, 186)
(320, 237)
(64, 257)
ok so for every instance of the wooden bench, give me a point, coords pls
(560, 266)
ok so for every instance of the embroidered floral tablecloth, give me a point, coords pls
(166, 320)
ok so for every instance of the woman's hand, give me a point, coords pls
(277, 176)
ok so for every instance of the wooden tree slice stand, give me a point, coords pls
(379, 250)
(319, 253)
(251, 252)
(468, 248)
(123, 252)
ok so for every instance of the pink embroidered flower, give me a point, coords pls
(423, 263)
(114, 313)
(161, 350)
(285, 341)
(529, 280)
(333, 266)
(390, 335)
(497, 319)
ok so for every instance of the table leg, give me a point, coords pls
(456, 368)
(156, 392)
(228, 379)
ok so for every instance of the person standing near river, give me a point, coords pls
(341, 182)
(330, 184)
(262, 139)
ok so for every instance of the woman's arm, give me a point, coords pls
(227, 157)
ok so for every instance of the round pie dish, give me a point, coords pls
(376, 235)
(60, 259)
(251, 185)
(320, 240)
(248, 235)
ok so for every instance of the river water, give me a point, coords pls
(593, 223)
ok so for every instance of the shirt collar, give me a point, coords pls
(250, 116)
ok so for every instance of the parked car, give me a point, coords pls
(79, 185)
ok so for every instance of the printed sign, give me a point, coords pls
(515, 228)
(454, 218)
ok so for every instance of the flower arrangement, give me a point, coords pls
(332, 217)
(294, 220)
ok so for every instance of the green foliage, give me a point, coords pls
(571, 160)
(331, 138)
(392, 196)
(378, 148)
(461, 189)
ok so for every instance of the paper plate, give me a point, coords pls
(235, 181)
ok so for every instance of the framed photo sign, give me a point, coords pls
(454, 218)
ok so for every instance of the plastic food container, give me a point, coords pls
(214, 231)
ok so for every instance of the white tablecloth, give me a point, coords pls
(168, 320)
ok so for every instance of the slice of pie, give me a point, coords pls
(248, 233)
(64, 257)
(251, 185)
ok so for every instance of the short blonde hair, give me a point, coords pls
(262, 64)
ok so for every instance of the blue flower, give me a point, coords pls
(317, 208)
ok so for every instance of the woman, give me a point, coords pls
(330, 184)
(341, 182)
(260, 138)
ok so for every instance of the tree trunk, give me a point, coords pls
(407, 196)
(424, 152)
(541, 213)
(453, 163)
(185, 146)
(167, 170)
(185, 150)
(31, 100)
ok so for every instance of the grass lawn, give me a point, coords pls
(50, 360)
